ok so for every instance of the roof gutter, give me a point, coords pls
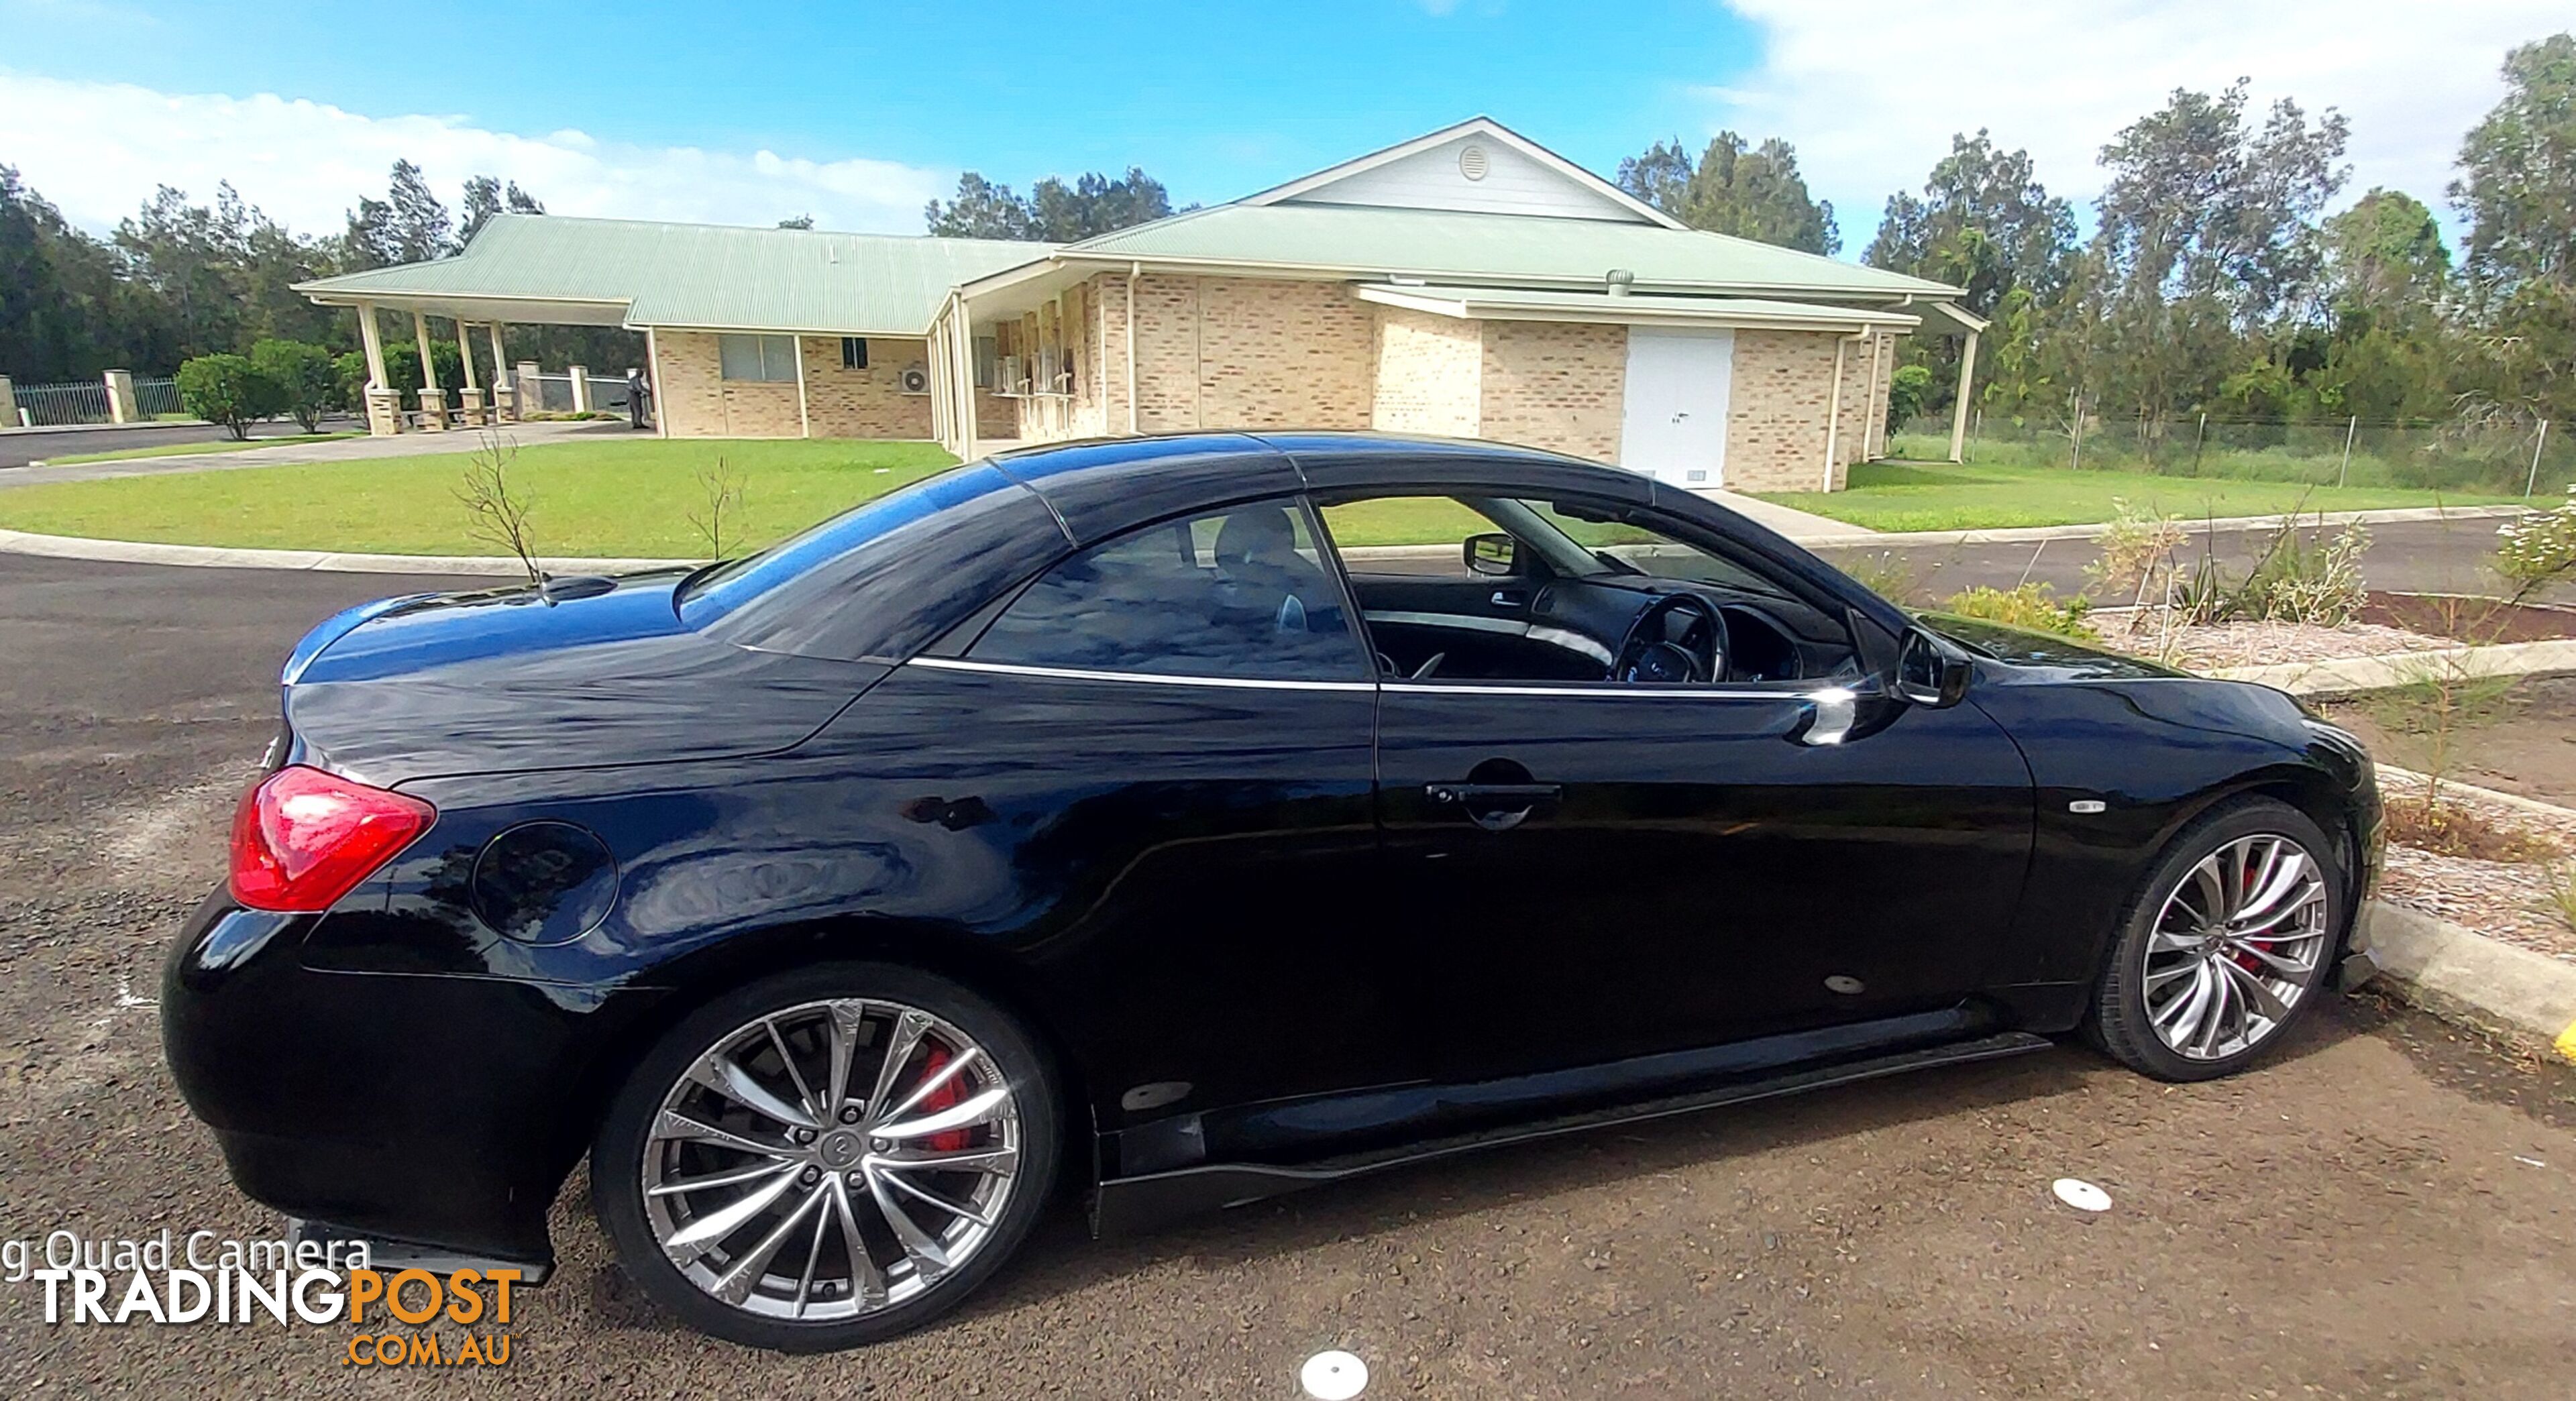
(1584, 283)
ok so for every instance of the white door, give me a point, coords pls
(1674, 425)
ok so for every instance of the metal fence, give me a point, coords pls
(554, 393)
(2500, 456)
(56, 405)
(47, 405)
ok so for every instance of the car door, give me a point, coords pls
(1169, 742)
(1600, 870)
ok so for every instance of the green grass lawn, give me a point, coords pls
(627, 499)
(191, 449)
(1988, 496)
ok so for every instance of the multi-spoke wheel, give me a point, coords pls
(828, 1158)
(2230, 937)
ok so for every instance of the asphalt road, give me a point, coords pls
(25, 445)
(2383, 1210)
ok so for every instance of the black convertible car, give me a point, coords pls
(1120, 815)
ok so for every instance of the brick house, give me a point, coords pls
(1468, 282)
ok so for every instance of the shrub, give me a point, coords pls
(306, 380)
(1907, 390)
(2538, 549)
(2294, 581)
(2029, 605)
(352, 372)
(229, 390)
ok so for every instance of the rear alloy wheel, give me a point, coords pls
(813, 1172)
(2231, 937)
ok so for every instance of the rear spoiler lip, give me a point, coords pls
(335, 627)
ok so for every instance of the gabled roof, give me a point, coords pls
(1436, 245)
(1475, 139)
(709, 276)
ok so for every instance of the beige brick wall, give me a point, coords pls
(869, 403)
(1555, 385)
(698, 402)
(1229, 352)
(1430, 374)
(1783, 388)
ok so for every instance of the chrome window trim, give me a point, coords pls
(1830, 695)
(1574, 642)
(1149, 678)
(1680, 692)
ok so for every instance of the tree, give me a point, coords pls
(2385, 259)
(801, 221)
(228, 390)
(1751, 192)
(60, 294)
(408, 225)
(1054, 212)
(307, 381)
(485, 197)
(2207, 238)
(1984, 223)
(2517, 189)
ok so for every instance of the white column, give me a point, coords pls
(804, 419)
(1959, 410)
(428, 367)
(581, 389)
(121, 407)
(465, 353)
(372, 338)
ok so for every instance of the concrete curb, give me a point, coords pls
(2034, 534)
(219, 557)
(2457, 973)
(2342, 675)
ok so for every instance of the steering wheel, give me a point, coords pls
(1678, 639)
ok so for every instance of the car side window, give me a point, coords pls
(1239, 593)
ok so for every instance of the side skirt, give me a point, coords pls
(1142, 1202)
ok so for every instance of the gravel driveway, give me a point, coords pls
(2384, 1211)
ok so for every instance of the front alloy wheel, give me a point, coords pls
(824, 1171)
(2225, 944)
(2235, 947)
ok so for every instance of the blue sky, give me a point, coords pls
(856, 113)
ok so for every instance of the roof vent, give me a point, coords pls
(1618, 280)
(1473, 162)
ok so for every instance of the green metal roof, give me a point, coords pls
(1442, 245)
(698, 275)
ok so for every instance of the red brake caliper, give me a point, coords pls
(946, 1096)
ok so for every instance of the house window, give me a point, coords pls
(987, 358)
(854, 352)
(771, 358)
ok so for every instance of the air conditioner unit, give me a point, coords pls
(915, 379)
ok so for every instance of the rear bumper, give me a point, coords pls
(436, 1110)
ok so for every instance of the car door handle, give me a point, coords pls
(1496, 807)
(1505, 598)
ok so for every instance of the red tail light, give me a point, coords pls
(304, 838)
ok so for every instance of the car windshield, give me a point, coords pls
(720, 588)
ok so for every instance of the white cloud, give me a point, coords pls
(98, 149)
(1870, 90)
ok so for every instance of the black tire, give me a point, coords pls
(617, 1161)
(2119, 1021)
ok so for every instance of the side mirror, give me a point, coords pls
(1492, 553)
(1931, 671)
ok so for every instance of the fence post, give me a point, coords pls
(120, 397)
(531, 394)
(2198, 438)
(2532, 483)
(2344, 473)
(581, 389)
(8, 404)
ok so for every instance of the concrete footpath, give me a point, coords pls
(360, 449)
